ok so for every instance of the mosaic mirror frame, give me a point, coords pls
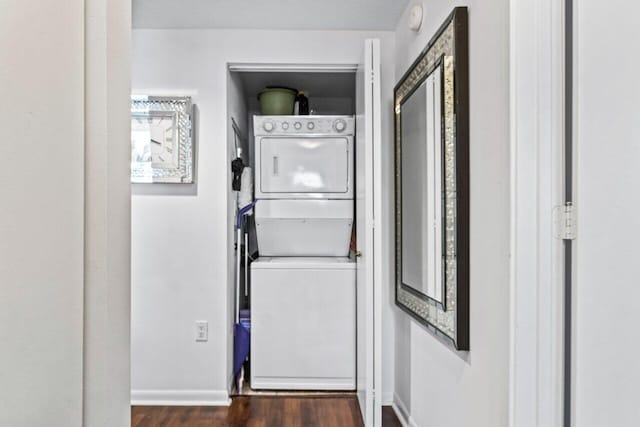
(178, 111)
(447, 49)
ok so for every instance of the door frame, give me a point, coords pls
(373, 46)
(259, 67)
(537, 117)
(377, 178)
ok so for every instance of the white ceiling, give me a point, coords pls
(269, 14)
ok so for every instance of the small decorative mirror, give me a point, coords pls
(161, 140)
(432, 184)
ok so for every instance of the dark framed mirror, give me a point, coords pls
(432, 184)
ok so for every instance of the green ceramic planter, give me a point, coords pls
(277, 101)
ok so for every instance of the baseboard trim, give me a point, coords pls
(180, 398)
(402, 412)
(387, 398)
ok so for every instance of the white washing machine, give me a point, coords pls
(303, 323)
(303, 286)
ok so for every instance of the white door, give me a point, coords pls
(367, 185)
(606, 295)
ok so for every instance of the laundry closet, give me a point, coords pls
(295, 248)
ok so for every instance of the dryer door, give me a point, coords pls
(305, 167)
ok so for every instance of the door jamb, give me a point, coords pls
(537, 99)
(377, 241)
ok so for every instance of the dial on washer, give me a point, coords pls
(268, 126)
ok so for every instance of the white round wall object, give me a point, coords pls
(415, 17)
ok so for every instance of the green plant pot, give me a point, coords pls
(277, 101)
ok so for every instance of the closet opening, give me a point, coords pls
(291, 208)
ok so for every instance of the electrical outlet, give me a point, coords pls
(202, 330)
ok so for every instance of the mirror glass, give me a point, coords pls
(422, 189)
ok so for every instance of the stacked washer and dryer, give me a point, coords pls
(303, 285)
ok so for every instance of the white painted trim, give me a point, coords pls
(387, 398)
(107, 214)
(291, 68)
(403, 421)
(180, 398)
(368, 123)
(402, 412)
(377, 189)
(536, 283)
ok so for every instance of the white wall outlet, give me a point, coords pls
(202, 330)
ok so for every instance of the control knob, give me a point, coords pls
(340, 125)
(297, 125)
(268, 126)
(311, 125)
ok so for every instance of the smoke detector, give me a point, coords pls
(415, 17)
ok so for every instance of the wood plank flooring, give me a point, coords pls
(261, 411)
(389, 418)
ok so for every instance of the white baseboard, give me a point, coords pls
(402, 412)
(180, 398)
(387, 398)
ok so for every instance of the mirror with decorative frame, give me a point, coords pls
(161, 139)
(432, 184)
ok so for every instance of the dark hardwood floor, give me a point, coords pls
(389, 418)
(261, 411)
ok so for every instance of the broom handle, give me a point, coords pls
(238, 253)
(246, 264)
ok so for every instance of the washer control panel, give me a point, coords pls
(314, 125)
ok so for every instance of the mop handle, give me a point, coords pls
(242, 212)
(237, 313)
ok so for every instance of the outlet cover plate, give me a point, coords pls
(202, 331)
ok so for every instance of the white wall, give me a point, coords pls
(41, 213)
(181, 239)
(64, 236)
(436, 385)
(606, 293)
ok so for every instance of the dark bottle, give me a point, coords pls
(303, 104)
